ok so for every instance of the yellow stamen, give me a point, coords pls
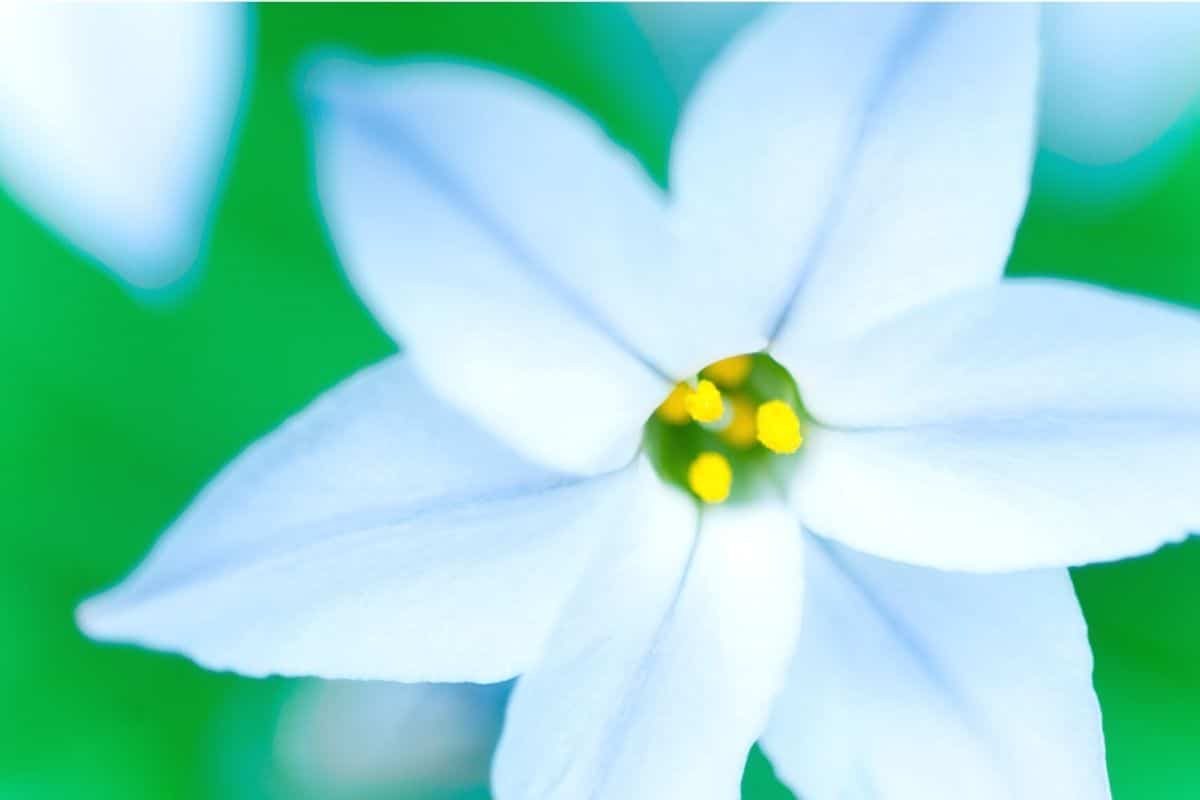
(779, 427)
(674, 409)
(729, 372)
(741, 431)
(710, 477)
(704, 404)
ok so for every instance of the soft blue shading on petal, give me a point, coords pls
(376, 535)
(496, 232)
(917, 684)
(1119, 85)
(115, 123)
(661, 674)
(848, 162)
(1033, 424)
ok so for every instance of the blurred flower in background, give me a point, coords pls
(1118, 91)
(685, 38)
(115, 122)
(1116, 77)
(350, 740)
(1119, 95)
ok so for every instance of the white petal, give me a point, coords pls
(1025, 347)
(508, 244)
(916, 684)
(1037, 423)
(860, 160)
(376, 535)
(661, 674)
(115, 121)
(1116, 76)
(339, 737)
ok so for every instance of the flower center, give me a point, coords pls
(730, 431)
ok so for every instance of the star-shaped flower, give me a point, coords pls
(871, 422)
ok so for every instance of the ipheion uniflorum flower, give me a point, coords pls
(848, 544)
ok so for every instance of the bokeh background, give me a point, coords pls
(116, 407)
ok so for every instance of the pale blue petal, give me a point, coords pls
(917, 684)
(1037, 423)
(511, 247)
(115, 122)
(851, 162)
(661, 674)
(378, 534)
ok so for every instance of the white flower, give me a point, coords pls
(844, 189)
(114, 124)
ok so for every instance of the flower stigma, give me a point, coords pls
(729, 433)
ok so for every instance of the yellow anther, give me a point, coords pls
(704, 404)
(729, 372)
(741, 429)
(675, 409)
(710, 477)
(779, 427)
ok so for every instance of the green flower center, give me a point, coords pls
(730, 433)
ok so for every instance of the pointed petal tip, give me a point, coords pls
(108, 616)
(96, 618)
(107, 619)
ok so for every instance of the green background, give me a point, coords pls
(116, 409)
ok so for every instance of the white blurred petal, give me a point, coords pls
(1116, 76)
(378, 534)
(660, 676)
(916, 684)
(115, 121)
(497, 233)
(852, 162)
(1037, 423)
(339, 738)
